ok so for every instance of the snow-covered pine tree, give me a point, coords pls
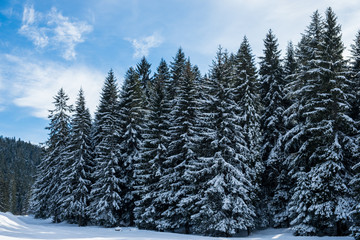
(272, 126)
(152, 153)
(181, 152)
(247, 97)
(143, 71)
(176, 69)
(271, 90)
(76, 181)
(321, 164)
(355, 69)
(355, 113)
(46, 198)
(224, 206)
(131, 112)
(290, 63)
(107, 190)
(281, 192)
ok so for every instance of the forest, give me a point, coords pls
(18, 164)
(246, 146)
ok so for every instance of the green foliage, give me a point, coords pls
(18, 164)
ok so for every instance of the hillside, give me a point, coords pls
(18, 161)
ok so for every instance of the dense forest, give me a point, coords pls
(18, 164)
(242, 147)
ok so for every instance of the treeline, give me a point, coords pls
(237, 149)
(18, 164)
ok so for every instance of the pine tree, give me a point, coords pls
(355, 69)
(46, 199)
(181, 151)
(290, 63)
(281, 189)
(76, 182)
(176, 70)
(355, 113)
(152, 153)
(271, 94)
(224, 206)
(143, 71)
(108, 187)
(3, 194)
(320, 166)
(131, 112)
(247, 98)
(272, 126)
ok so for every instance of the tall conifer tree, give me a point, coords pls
(272, 126)
(76, 181)
(320, 202)
(107, 191)
(152, 153)
(247, 97)
(46, 199)
(225, 206)
(131, 111)
(355, 113)
(181, 151)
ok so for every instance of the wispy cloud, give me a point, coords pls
(53, 30)
(143, 45)
(34, 83)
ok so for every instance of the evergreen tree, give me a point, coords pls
(271, 79)
(272, 126)
(355, 69)
(224, 206)
(181, 152)
(320, 202)
(46, 199)
(290, 64)
(247, 98)
(176, 70)
(76, 182)
(355, 113)
(130, 116)
(18, 165)
(143, 71)
(152, 153)
(107, 190)
(3, 194)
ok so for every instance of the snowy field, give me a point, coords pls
(27, 228)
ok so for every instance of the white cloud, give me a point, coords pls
(33, 84)
(143, 45)
(54, 30)
(226, 22)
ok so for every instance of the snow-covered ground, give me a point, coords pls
(27, 228)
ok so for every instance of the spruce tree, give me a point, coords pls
(355, 70)
(224, 205)
(181, 152)
(107, 190)
(176, 70)
(272, 126)
(76, 181)
(271, 80)
(46, 197)
(131, 112)
(355, 113)
(247, 97)
(152, 153)
(321, 164)
(143, 71)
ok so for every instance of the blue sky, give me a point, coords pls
(46, 45)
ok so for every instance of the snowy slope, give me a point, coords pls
(27, 228)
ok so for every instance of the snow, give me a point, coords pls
(27, 228)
